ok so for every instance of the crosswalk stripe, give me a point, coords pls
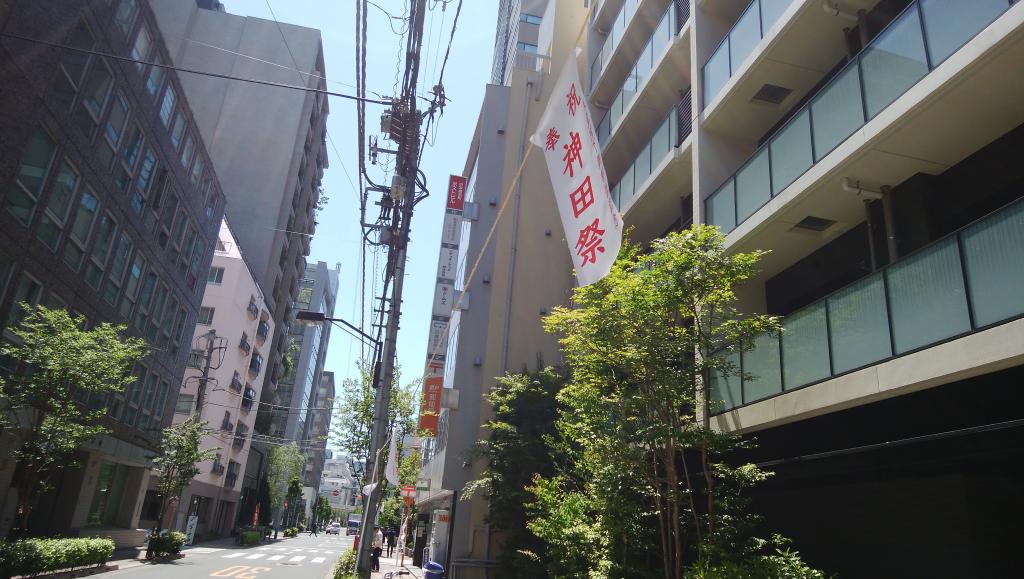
(318, 559)
(329, 552)
(275, 558)
(264, 548)
(296, 559)
(281, 549)
(313, 551)
(256, 556)
(233, 555)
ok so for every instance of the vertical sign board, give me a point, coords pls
(431, 406)
(444, 301)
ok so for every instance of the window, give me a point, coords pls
(187, 150)
(100, 251)
(143, 181)
(35, 162)
(117, 268)
(177, 130)
(156, 76)
(27, 291)
(142, 46)
(73, 64)
(197, 171)
(526, 47)
(81, 226)
(131, 286)
(130, 149)
(167, 105)
(216, 275)
(195, 358)
(124, 15)
(529, 18)
(221, 246)
(95, 90)
(113, 130)
(205, 316)
(55, 214)
(185, 404)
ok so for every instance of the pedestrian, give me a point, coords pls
(391, 541)
(312, 530)
(376, 547)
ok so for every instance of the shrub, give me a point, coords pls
(291, 532)
(250, 538)
(346, 567)
(32, 556)
(167, 544)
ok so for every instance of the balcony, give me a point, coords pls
(230, 480)
(916, 42)
(638, 94)
(244, 345)
(966, 282)
(253, 310)
(227, 426)
(262, 331)
(239, 441)
(648, 193)
(255, 364)
(752, 25)
(248, 398)
(617, 29)
(217, 468)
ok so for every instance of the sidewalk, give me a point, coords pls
(390, 565)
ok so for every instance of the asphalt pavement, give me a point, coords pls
(302, 557)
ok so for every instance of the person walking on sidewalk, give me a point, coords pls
(390, 537)
(375, 549)
(312, 530)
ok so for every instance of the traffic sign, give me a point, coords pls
(408, 491)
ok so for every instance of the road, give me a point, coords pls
(302, 557)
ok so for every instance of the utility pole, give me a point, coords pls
(406, 119)
(211, 340)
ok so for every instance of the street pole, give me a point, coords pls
(211, 338)
(406, 170)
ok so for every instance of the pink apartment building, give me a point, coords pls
(234, 326)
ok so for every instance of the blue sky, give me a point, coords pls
(337, 236)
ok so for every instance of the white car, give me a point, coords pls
(334, 529)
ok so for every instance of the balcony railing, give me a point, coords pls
(666, 138)
(255, 364)
(968, 281)
(262, 330)
(236, 384)
(248, 398)
(230, 480)
(253, 309)
(217, 469)
(227, 426)
(239, 441)
(244, 345)
(614, 36)
(913, 44)
(640, 74)
(732, 52)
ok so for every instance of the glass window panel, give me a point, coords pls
(893, 62)
(859, 324)
(926, 293)
(994, 259)
(125, 14)
(662, 35)
(744, 36)
(177, 129)
(116, 119)
(753, 185)
(104, 239)
(84, 216)
(948, 24)
(643, 167)
(187, 150)
(146, 171)
(615, 112)
(721, 208)
(726, 389)
(73, 255)
(140, 50)
(62, 188)
(771, 11)
(36, 161)
(132, 146)
(661, 143)
(120, 262)
(74, 61)
(97, 86)
(791, 152)
(167, 105)
(805, 346)
(627, 187)
(716, 73)
(762, 366)
(837, 112)
(156, 76)
(643, 64)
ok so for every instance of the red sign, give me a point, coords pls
(456, 192)
(431, 405)
(335, 493)
(408, 491)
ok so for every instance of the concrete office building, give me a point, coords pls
(234, 309)
(268, 143)
(110, 208)
(872, 147)
(501, 327)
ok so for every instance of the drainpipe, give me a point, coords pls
(891, 240)
(515, 228)
(884, 194)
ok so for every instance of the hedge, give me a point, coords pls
(291, 532)
(346, 567)
(33, 556)
(167, 544)
(250, 538)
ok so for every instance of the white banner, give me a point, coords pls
(593, 227)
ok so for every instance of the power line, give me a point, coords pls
(191, 70)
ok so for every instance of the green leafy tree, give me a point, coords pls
(292, 496)
(285, 464)
(640, 344)
(58, 364)
(177, 463)
(323, 511)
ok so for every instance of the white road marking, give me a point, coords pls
(329, 552)
(203, 550)
(264, 548)
(256, 556)
(281, 549)
(275, 558)
(296, 559)
(233, 555)
(319, 559)
(313, 551)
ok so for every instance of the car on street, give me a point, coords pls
(334, 528)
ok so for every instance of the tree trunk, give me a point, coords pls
(673, 493)
(710, 482)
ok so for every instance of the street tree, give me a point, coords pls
(292, 496)
(54, 398)
(640, 345)
(285, 463)
(177, 463)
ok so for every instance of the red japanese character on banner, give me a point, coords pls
(590, 242)
(552, 139)
(573, 99)
(582, 197)
(572, 152)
